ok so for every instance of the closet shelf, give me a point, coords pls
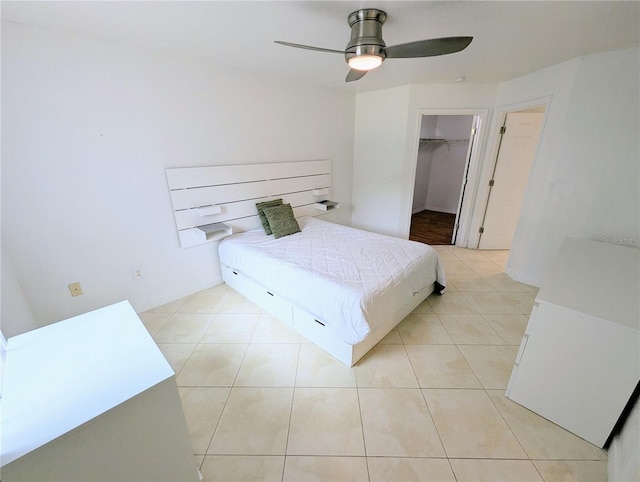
(426, 142)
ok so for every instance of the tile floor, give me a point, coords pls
(426, 404)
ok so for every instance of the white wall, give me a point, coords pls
(381, 125)
(440, 167)
(454, 127)
(428, 126)
(16, 314)
(385, 149)
(88, 130)
(585, 178)
(448, 163)
(584, 181)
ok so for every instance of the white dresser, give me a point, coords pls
(579, 360)
(92, 398)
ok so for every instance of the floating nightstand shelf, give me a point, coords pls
(212, 232)
(320, 192)
(208, 210)
(326, 205)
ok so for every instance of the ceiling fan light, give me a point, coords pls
(365, 62)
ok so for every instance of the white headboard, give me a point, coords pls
(228, 194)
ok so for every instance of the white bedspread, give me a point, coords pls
(350, 279)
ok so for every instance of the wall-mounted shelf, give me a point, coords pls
(326, 205)
(320, 192)
(208, 210)
(211, 232)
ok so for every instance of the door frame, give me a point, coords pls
(489, 162)
(473, 171)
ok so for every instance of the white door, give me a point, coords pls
(465, 179)
(510, 179)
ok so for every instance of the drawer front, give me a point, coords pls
(317, 332)
(277, 307)
(266, 300)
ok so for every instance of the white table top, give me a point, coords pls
(62, 375)
(598, 279)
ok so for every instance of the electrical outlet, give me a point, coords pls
(76, 289)
(137, 272)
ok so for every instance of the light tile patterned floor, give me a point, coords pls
(426, 404)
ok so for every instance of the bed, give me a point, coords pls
(342, 288)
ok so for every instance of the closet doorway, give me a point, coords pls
(442, 167)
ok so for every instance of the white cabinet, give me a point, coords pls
(92, 398)
(579, 361)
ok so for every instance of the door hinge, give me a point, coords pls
(503, 129)
(491, 183)
(457, 226)
(473, 130)
(481, 230)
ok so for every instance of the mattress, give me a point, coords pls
(351, 280)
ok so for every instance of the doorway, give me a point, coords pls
(442, 166)
(517, 145)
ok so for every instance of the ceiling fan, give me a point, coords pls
(366, 50)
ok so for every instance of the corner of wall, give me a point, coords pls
(16, 317)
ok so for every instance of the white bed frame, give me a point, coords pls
(310, 327)
(228, 194)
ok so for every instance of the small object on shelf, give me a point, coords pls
(321, 191)
(210, 232)
(326, 205)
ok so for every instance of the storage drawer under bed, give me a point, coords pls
(315, 330)
(311, 328)
(268, 301)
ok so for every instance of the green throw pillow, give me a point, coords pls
(263, 219)
(281, 220)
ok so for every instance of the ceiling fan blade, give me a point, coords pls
(428, 48)
(355, 75)
(308, 47)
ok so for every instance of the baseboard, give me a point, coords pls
(146, 305)
(440, 210)
(519, 277)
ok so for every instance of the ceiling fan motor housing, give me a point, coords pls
(366, 33)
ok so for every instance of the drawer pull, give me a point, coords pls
(319, 322)
(235, 272)
(269, 293)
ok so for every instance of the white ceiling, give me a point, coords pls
(511, 38)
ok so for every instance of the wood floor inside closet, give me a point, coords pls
(432, 227)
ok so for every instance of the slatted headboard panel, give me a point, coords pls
(228, 194)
